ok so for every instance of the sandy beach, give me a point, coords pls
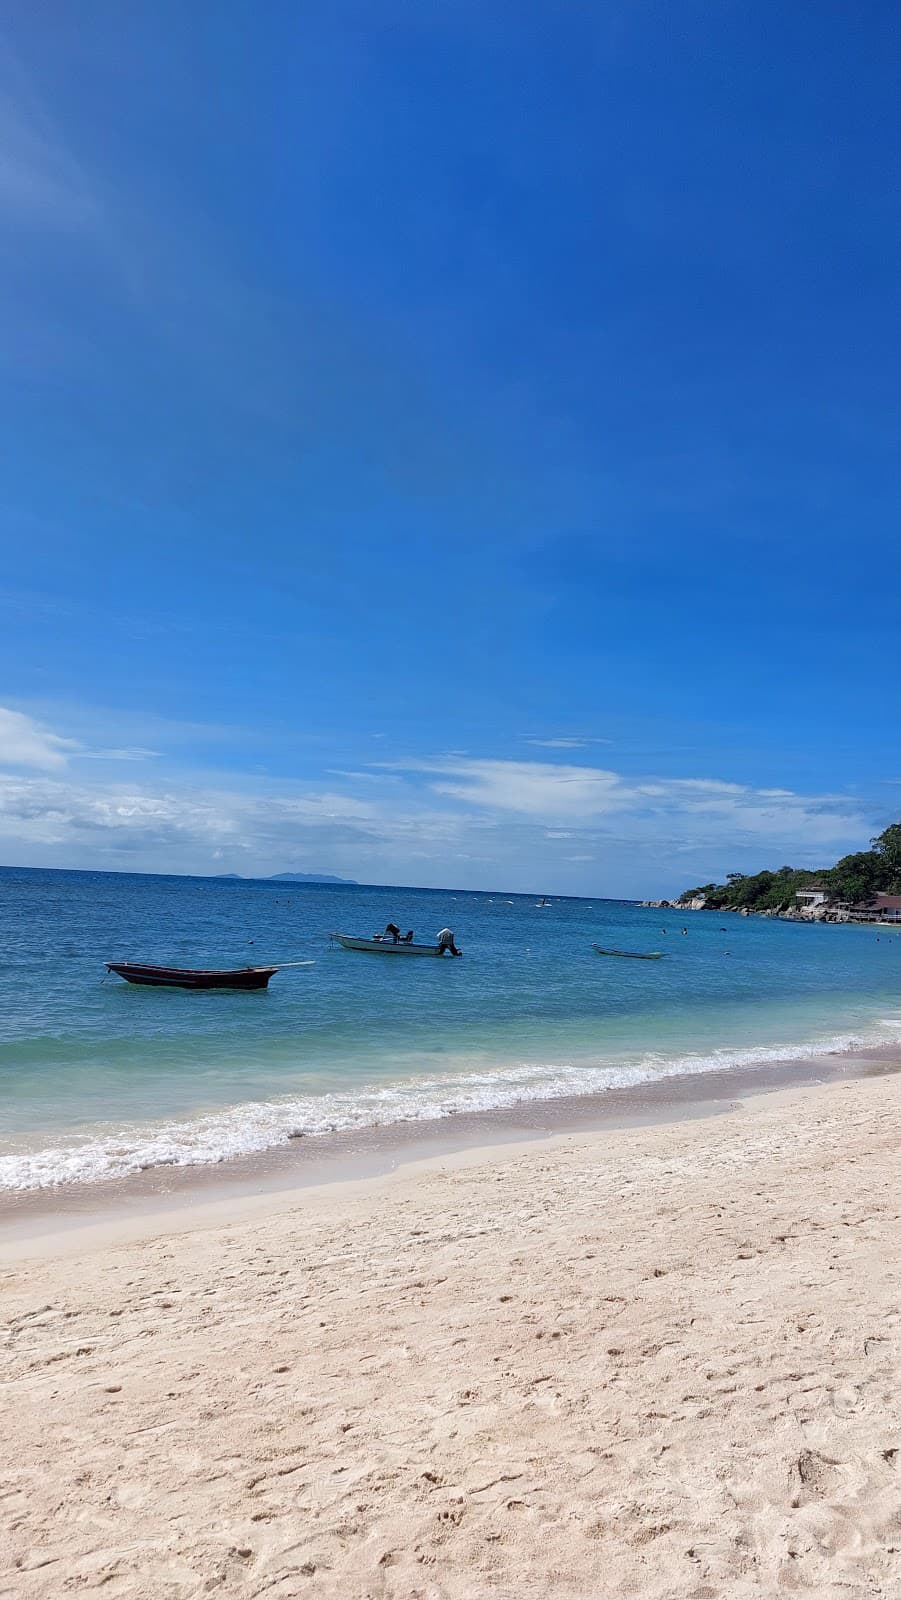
(658, 1361)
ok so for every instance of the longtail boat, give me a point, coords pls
(192, 977)
(631, 955)
(386, 947)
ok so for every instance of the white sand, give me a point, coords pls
(656, 1363)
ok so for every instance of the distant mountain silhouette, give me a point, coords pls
(309, 877)
(289, 877)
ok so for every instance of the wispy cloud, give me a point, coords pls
(27, 743)
(567, 742)
(41, 183)
(187, 828)
(130, 753)
(448, 819)
(190, 303)
(554, 792)
(361, 777)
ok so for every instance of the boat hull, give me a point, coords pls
(386, 947)
(191, 977)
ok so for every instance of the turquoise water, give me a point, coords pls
(98, 1078)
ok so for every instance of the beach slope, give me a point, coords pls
(661, 1362)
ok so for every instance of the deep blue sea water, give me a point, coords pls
(99, 1079)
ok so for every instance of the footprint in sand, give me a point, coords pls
(845, 1400)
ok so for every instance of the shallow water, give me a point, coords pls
(98, 1078)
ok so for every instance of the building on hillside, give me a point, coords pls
(812, 897)
(882, 908)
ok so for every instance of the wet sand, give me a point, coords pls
(175, 1197)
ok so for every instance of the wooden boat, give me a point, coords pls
(631, 955)
(192, 977)
(387, 947)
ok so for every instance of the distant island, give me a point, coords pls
(289, 877)
(310, 877)
(865, 887)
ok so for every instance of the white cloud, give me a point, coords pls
(716, 786)
(27, 743)
(702, 808)
(453, 819)
(184, 828)
(129, 753)
(567, 742)
(362, 777)
(532, 788)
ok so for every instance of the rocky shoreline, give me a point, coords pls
(801, 914)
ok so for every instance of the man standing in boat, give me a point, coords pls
(446, 942)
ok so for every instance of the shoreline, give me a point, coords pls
(181, 1198)
(659, 1360)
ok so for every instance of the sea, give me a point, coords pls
(100, 1079)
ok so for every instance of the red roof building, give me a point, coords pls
(882, 908)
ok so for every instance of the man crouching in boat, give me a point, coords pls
(446, 942)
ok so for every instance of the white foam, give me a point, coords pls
(255, 1126)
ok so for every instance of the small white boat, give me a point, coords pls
(386, 947)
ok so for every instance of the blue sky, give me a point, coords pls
(448, 444)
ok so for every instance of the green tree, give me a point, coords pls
(887, 846)
(856, 878)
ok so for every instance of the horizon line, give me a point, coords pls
(314, 883)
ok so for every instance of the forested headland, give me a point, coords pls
(854, 879)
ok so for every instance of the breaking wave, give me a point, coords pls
(256, 1126)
